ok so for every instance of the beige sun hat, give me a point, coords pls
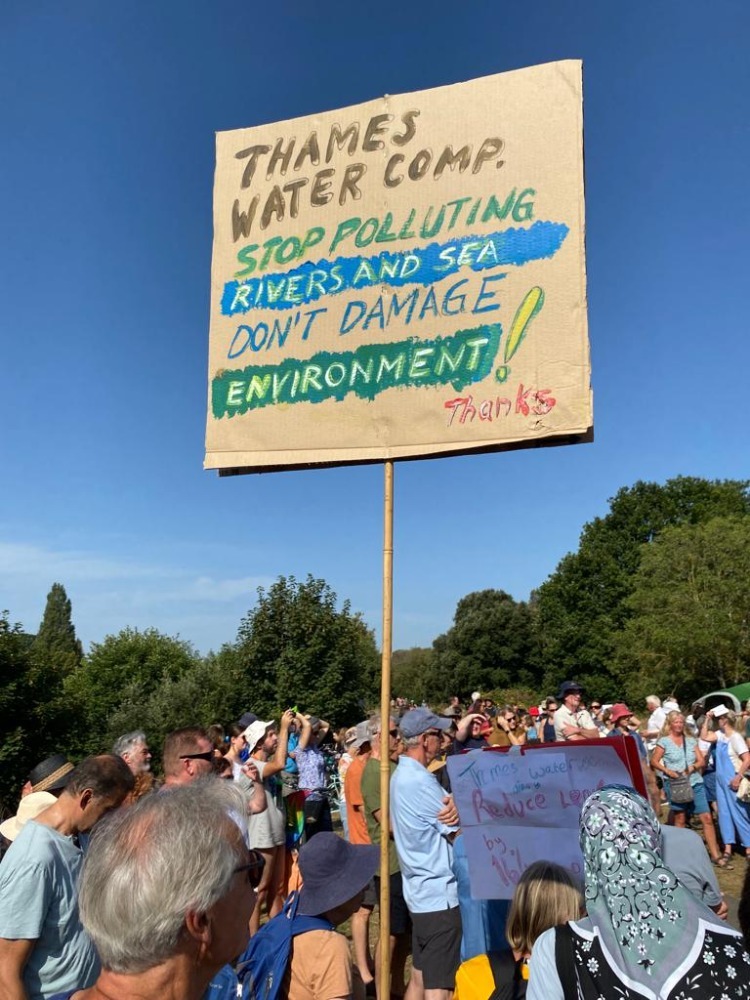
(28, 808)
(255, 732)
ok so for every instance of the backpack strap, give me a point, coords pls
(302, 924)
(565, 961)
(506, 971)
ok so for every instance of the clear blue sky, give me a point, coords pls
(107, 119)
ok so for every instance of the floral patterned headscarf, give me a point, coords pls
(650, 926)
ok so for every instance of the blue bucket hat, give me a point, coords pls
(568, 687)
(333, 872)
(419, 720)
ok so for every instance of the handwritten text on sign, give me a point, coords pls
(402, 278)
(516, 809)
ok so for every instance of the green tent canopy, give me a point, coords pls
(741, 692)
(733, 697)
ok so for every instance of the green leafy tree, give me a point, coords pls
(297, 648)
(206, 691)
(583, 605)
(56, 653)
(492, 644)
(56, 642)
(690, 606)
(16, 713)
(123, 670)
(411, 673)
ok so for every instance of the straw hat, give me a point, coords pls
(28, 808)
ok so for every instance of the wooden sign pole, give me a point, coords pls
(385, 715)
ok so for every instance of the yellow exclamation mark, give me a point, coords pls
(532, 303)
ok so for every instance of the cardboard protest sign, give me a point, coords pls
(519, 808)
(402, 278)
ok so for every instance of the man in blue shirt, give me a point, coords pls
(424, 828)
(43, 946)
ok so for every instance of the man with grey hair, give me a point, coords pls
(133, 748)
(425, 852)
(167, 892)
(43, 947)
(655, 723)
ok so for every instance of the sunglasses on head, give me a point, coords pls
(254, 868)
(206, 755)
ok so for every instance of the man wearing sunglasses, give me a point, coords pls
(424, 842)
(188, 755)
(167, 892)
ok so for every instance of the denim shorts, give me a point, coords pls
(696, 807)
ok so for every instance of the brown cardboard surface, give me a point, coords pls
(402, 278)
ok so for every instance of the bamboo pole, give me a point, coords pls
(385, 715)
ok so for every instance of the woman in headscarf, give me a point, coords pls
(645, 934)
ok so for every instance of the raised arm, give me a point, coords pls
(706, 734)
(279, 758)
(305, 732)
(464, 727)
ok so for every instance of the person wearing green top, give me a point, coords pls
(400, 940)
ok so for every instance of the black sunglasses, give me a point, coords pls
(206, 755)
(254, 868)
(393, 732)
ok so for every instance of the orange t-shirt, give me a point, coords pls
(320, 967)
(355, 805)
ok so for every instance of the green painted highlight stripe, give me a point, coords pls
(463, 358)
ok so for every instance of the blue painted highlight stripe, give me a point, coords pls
(419, 266)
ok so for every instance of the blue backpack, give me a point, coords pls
(263, 964)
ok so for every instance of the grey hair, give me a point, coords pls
(150, 864)
(652, 699)
(410, 742)
(375, 721)
(128, 742)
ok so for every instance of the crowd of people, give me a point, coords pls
(116, 886)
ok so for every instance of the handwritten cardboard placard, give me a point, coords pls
(402, 278)
(518, 808)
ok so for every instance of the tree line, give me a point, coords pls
(295, 646)
(656, 598)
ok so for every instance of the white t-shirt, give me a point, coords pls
(655, 724)
(736, 746)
